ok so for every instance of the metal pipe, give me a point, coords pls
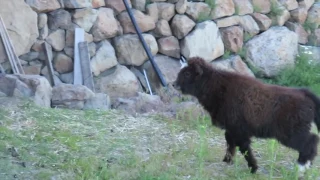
(146, 77)
(146, 48)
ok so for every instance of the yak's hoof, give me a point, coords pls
(228, 160)
(254, 169)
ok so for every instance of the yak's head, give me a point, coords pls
(190, 76)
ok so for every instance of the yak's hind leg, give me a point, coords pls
(231, 148)
(246, 150)
(306, 144)
(239, 139)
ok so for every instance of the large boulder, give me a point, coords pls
(243, 7)
(181, 25)
(222, 8)
(22, 26)
(130, 50)
(57, 39)
(99, 101)
(117, 6)
(70, 96)
(59, 18)
(166, 10)
(272, 50)
(204, 41)
(121, 83)
(145, 22)
(314, 14)
(77, 4)
(232, 38)
(233, 64)
(35, 87)
(105, 26)
(85, 18)
(169, 46)
(43, 6)
(62, 63)
(142, 103)
(298, 28)
(168, 66)
(197, 9)
(104, 59)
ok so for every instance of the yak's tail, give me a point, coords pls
(316, 101)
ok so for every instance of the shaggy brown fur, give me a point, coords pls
(245, 107)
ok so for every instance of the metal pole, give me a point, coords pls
(146, 48)
(146, 77)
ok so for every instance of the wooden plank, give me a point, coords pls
(48, 51)
(85, 65)
(77, 71)
(5, 44)
(11, 51)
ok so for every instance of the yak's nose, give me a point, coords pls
(175, 85)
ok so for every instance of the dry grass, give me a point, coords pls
(39, 143)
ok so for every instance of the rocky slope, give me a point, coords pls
(228, 33)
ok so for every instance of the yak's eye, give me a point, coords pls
(187, 74)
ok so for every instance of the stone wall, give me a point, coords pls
(229, 33)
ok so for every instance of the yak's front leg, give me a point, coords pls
(231, 148)
(245, 149)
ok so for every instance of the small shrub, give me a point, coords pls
(211, 3)
(275, 10)
(309, 26)
(203, 16)
(226, 54)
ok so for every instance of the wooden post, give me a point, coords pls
(12, 56)
(48, 51)
(77, 71)
(85, 65)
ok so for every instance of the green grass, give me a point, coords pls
(304, 74)
(72, 144)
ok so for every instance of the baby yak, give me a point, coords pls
(245, 108)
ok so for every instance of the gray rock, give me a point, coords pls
(204, 41)
(181, 25)
(57, 39)
(99, 101)
(85, 18)
(142, 103)
(233, 64)
(59, 18)
(32, 55)
(22, 26)
(41, 6)
(130, 50)
(42, 20)
(105, 26)
(77, 4)
(35, 87)
(121, 83)
(169, 46)
(139, 4)
(169, 68)
(104, 59)
(70, 96)
(272, 50)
